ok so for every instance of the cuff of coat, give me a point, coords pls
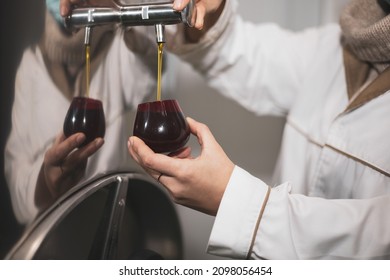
(238, 215)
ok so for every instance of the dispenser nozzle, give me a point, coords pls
(87, 36)
(160, 34)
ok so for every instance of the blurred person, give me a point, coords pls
(331, 188)
(40, 163)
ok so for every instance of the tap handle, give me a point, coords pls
(188, 14)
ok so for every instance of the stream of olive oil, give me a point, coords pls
(159, 69)
(87, 68)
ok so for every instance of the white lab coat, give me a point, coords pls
(122, 80)
(331, 195)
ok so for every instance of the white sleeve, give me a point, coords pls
(295, 226)
(238, 215)
(22, 163)
(261, 66)
(33, 132)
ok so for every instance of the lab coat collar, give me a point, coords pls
(356, 73)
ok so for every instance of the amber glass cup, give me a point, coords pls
(85, 115)
(161, 125)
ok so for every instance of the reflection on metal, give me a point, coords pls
(118, 216)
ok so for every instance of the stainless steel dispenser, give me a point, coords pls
(158, 14)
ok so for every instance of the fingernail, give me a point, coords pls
(80, 139)
(131, 142)
(199, 24)
(63, 11)
(99, 142)
(177, 5)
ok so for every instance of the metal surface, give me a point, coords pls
(116, 216)
(137, 217)
(130, 15)
(160, 34)
(87, 36)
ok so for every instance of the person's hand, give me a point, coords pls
(198, 183)
(63, 166)
(206, 11)
(65, 5)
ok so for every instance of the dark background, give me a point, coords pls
(21, 25)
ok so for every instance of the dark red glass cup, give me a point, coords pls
(161, 125)
(85, 115)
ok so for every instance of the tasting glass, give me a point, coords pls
(161, 125)
(85, 115)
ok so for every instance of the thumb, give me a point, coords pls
(202, 133)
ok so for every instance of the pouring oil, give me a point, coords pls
(159, 69)
(87, 68)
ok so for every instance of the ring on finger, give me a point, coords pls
(159, 176)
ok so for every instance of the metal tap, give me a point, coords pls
(158, 14)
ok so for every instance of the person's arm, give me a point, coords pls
(277, 224)
(258, 222)
(21, 169)
(260, 65)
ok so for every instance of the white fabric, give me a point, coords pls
(330, 198)
(122, 80)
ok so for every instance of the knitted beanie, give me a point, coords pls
(366, 30)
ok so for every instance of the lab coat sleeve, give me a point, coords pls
(242, 219)
(294, 226)
(261, 66)
(22, 162)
